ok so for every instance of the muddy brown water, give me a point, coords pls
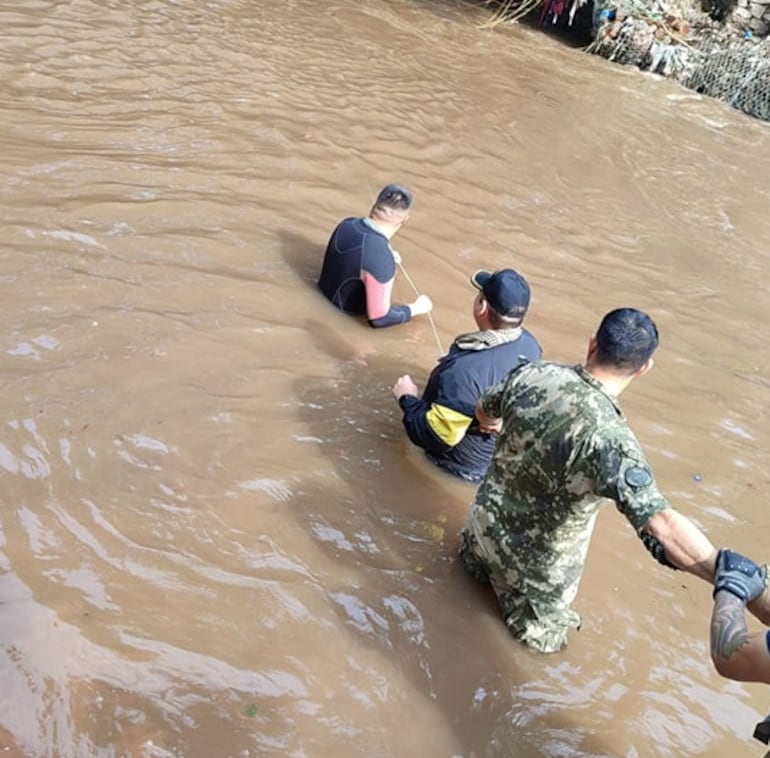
(215, 540)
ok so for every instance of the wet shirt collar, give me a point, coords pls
(586, 377)
(487, 338)
(368, 221)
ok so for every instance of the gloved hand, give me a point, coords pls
(396, 256)
(739, 575)
(421, 306)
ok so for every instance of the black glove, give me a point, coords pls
(739, 575)
(655, 546)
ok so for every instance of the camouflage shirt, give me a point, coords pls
(564, 451)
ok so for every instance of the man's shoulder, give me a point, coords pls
(549, 373)
(354, 231)
(507, 355)
(616, 434)
(351, 221)
(527, 336)
(347, 226)
(460, 362)
(548, 387)
(525, 346)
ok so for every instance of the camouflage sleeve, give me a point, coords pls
(638, 499)
(625, 477)
(493, 397)
(491, 400)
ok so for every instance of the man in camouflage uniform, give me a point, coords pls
(564, 450)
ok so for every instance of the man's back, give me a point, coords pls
(443, 421)
(565, 446)
(354, 248)
(359, 266)
(452, 390)
(358, 273)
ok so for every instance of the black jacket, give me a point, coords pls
(443, 421)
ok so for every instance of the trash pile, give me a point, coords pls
(721, 50)
(718, 59)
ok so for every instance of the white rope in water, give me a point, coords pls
(430, 317)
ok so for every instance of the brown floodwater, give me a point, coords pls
(215, 540)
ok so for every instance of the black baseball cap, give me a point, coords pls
(505, 290)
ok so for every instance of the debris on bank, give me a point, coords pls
(722, 50)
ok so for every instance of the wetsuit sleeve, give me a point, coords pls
(379, 311)
(378, 272)
(435, 427)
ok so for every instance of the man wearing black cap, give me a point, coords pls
(359, 267)
(442, 422)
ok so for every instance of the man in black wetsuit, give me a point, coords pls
(443, 421)
(359, 267)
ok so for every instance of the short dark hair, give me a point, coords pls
(395, 197)
(626, 339)
(499, 321)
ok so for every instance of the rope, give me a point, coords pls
(430, 318)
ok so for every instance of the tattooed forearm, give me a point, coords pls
(729, 632)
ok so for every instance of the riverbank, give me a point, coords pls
(720, 50)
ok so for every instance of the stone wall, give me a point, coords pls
(753, 15)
